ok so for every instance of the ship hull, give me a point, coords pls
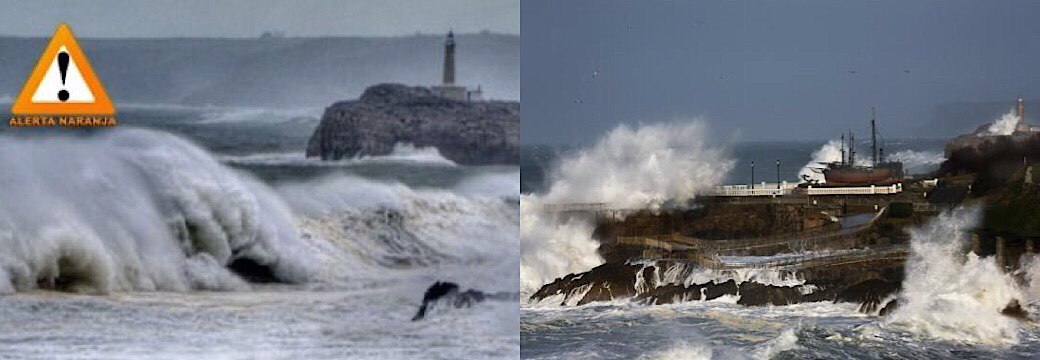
(863, 176)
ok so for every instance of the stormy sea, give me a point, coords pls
(204, 232)
(950, 308)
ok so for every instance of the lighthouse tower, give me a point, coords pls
(449, 60)
(447, 88)
(1020, 109)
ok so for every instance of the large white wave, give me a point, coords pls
(951, 295)
(1005, 125)
(641, 167)
(144, 210)
(134, 209)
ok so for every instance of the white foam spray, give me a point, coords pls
(134, 210)
(829, 152)
(1005, 125)
(951, 295)
(635, 168)
(918, 162)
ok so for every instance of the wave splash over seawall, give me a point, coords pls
(641, 167)
(951, 294)
(135, 210)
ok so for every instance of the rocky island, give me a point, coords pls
(466, 132)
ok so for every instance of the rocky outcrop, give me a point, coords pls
(870, 285)
(468, 133)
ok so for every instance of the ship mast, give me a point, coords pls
(852, 149)
(843, 149)
(873, 138)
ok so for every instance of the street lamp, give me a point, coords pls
(778, 174)
(752, 175)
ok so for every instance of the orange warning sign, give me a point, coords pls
(63, 82)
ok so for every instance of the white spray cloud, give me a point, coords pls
(829, 152)
(950, 295)
(642, 167)
(1005, 125)
(917, 162)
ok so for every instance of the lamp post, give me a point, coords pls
(778, 174)
(752, 175)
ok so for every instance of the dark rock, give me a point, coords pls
(447, 294)
(755, 294)
(469, 133)
(1015, 310)
(890, 307)
(605, 282)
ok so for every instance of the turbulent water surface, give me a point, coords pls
(203, 232)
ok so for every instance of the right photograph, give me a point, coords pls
(767, 180)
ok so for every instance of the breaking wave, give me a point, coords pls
(135, 210)
(951, 295)
(642, 167)
(144, 210)
(1005, 125)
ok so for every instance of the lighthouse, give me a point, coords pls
(447, 88)
(1020, 109)
(449, 60)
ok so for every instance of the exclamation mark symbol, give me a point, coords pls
(63, 66)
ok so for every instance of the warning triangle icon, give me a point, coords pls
(63, 82)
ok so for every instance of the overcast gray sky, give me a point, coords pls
(249, 18)
(769, 69)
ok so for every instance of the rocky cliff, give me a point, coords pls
(469, 133)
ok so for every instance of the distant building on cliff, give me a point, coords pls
(448, 89)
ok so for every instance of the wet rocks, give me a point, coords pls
(639, 282)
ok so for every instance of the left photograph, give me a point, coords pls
(272, 180)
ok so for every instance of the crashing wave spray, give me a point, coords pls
(950, 295)
(637, 168)
(829, 152)
(1005, 125)
(918, 162)
(135, 210)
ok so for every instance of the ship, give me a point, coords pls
(847, 172)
